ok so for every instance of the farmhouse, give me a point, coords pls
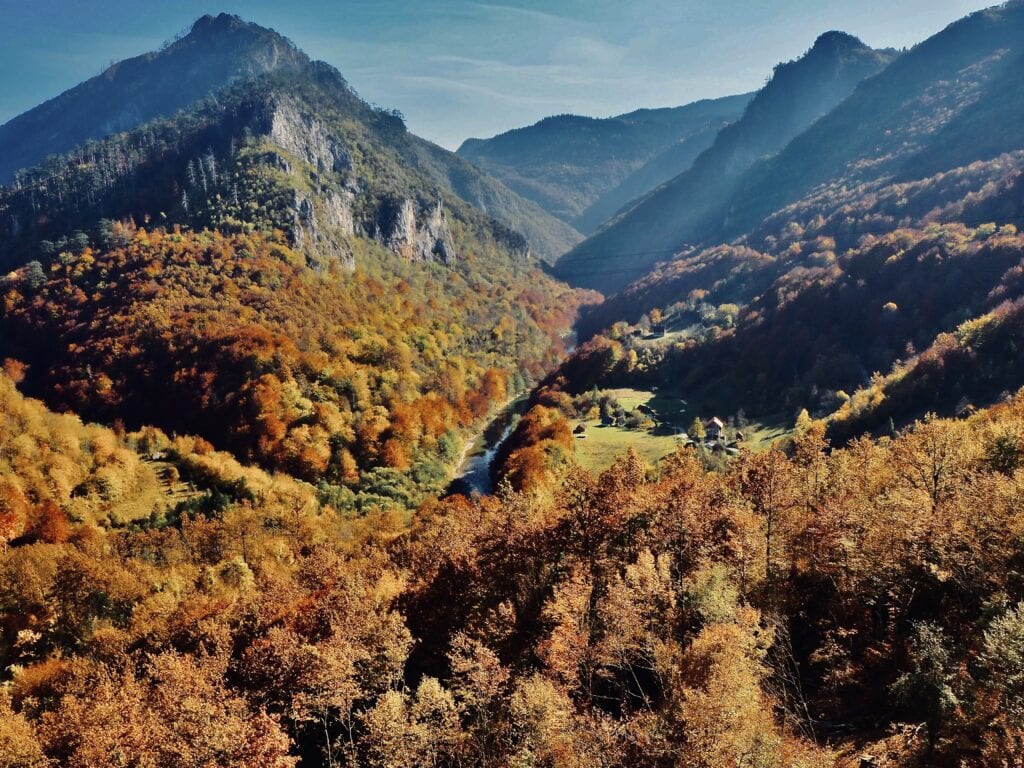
(713, 428)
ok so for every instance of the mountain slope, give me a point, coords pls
(955, 98)
(664, 166)
(936, 137)
(293, 272)
(217, 51)
(547, 236)
(799, 93)
(217, 74)
(810, 235)
(568, 164)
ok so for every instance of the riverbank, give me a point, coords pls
(474, 466)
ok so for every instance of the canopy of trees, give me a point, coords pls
(333, 376)
(790, 610)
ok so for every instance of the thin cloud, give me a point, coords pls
(531, 13)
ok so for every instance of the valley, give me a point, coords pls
(693, 435)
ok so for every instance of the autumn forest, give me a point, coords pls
(320, 447)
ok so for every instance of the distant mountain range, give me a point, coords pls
(677, 212)
(583, 169)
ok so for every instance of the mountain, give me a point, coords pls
(578, 168)
(216, 52)
(869, 272)
(956, 98)
(306, 281)
(210, 74)
(660, 224)
(667, 164)
(937, 136)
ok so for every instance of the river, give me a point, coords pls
(474, 472)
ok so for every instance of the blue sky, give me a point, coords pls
(461, 68)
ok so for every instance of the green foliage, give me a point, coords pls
(927, 687)
(1002, 658)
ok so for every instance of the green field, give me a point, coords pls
(599, 448)
(603, 444)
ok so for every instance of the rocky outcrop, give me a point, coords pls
(324, 218)
(305, 137)
(427, 238)
(320, 226)
(337, 208)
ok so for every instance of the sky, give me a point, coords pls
(468, 68)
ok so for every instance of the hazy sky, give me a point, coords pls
(461, 68)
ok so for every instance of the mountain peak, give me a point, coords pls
(229, 23)
(220, 21)
(216, 52)
(837, 40)
(237, 33)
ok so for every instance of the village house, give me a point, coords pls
(713, 429)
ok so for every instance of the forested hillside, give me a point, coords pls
(584, 169)
(807, 237)
(216, 52)
(361, 380)
(653, 228)
(642, 617)
(816, 334)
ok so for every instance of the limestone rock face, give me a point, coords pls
(305, 137)
(427, 238)
(321, 225)
(338, 210)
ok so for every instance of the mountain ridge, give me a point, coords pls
(573, 165)
(799, 93)
(855, 140)
(135, 90)
(248, 57)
